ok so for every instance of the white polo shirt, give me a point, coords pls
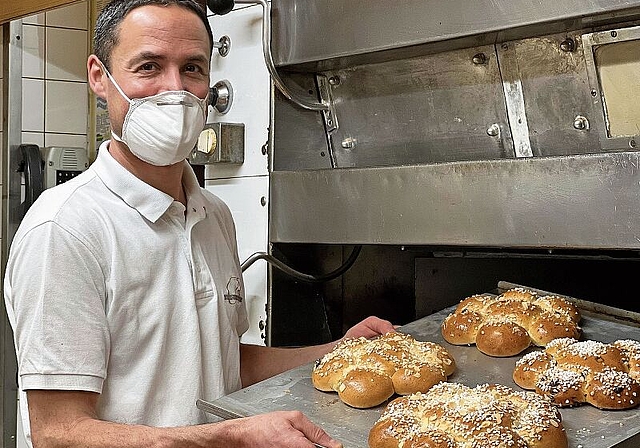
(112, 288)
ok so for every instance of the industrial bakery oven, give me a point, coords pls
(447, 145)
(426, 150)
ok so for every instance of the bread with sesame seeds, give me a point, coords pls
(507, 324)
(452, 415)
(367, 372)
(573, 372)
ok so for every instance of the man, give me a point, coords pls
(116, 281)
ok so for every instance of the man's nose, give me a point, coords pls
(173, 80)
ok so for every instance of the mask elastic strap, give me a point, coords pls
(113, 81)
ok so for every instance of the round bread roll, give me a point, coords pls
(507, 324)
(366, 373)
(452, 415)
(572, 372)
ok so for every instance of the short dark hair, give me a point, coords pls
(105, 37)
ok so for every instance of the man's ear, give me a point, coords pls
(97, 77)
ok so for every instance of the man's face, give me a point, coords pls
(159, 49)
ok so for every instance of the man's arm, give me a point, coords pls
(68, 419)
(258, 362)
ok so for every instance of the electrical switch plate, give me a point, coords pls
(219, 143)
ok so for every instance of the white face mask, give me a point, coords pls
(162, 129)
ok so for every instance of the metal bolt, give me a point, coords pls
(264, 149)
(581, 123)
(335, 80)
(568, 45)
(594, 93)
(348, 143)
(263, 201)
(480, 59)
(632, 143)
(494, 130)
(614, 34)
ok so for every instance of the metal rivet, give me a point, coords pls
(632, 143)
(335, 81)
(581, 123)
(614, 34)
(348, 143)
(594, 93)
(494, 130)
(263, 201)
(480, 59)
(568, 45)
(264, 149)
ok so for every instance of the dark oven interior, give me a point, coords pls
(403, 284)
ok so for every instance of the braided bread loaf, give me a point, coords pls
(452, 415)
(572, 372)
(507, 324)
(366, 372)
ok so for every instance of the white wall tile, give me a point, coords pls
(66, 107)
(33, 51)
(36, 19)
(32, 105)
(66, 54)
(34, 138)
(69, 140)
(72, 16)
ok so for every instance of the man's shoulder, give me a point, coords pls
(63, 203)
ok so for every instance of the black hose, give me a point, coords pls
(300, 275)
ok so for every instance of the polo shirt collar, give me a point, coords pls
(147, 200)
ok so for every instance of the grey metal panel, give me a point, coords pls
(583, 201)
(298, 135)
(556, 88)
(315, 30)
(415, 110)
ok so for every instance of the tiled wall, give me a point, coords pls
(55, 95)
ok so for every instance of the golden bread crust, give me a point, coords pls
(572, 372)
(507, 324)
(452, 415)
(366, 373)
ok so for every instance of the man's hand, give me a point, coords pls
(370, 327)
(286, 429)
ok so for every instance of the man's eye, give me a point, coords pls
(146, 67)
(192, 68)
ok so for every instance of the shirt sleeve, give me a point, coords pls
(55, 297)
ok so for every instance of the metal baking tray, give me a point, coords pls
(586, 426)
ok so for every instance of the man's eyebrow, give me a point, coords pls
(151, 56)
(145, 56)
(198, 58)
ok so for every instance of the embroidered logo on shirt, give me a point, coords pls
(233, 291)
